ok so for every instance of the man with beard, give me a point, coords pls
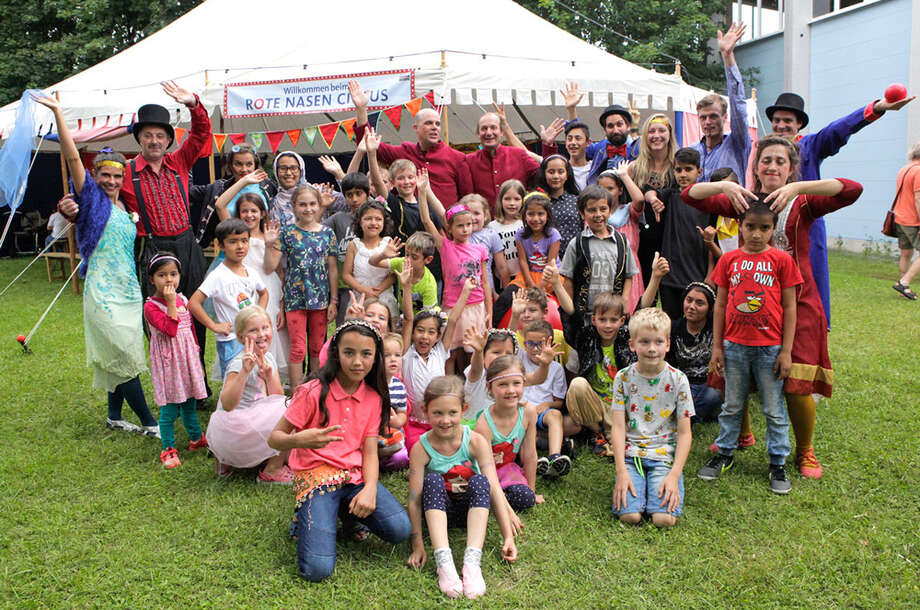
(719, 149)
(618, 145)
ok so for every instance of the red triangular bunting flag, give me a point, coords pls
(373, 118)
(294, 135)
(430, 97)
(219, 139)
(349, 127)
(180, 134)
(237, 138)
(395, 115)
(274, 139)
(413, 106)
(328, 131)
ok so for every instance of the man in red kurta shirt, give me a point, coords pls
(447, 168)
(494, 162)
(156, 188)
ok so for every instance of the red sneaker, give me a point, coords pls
(170, 458)
(744, 441)
(808, 464)
(201, 443)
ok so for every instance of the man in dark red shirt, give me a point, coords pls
(156, 189)
(447, 168)
(494, 162)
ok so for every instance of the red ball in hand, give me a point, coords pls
(21, 338)
(895, 93)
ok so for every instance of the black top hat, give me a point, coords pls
(153, 114)
(616, 109)
(791, 102)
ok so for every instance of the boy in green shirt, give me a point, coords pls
(420, 249)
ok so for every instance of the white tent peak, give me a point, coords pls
(473, 52)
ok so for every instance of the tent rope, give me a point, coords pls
(54, 239)
(56, 297)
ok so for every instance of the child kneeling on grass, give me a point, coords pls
(331, 428)
(651, 436)
(452, 478)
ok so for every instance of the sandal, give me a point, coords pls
(284, 477)
(905, 290)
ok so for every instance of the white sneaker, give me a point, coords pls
(120, 424)
(151, 430)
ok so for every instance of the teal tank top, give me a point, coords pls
(442, 464)
(505, 448)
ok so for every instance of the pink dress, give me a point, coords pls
(174, 366)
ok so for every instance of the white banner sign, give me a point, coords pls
(319, 94)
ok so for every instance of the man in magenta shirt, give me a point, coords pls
(494, 162)
(447, 168)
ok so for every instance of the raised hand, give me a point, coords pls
(255, 177)
(623, 168)
(660, 266)
(422, 181)
(272, 231)
(571, 95)
(178, 93)
(550, 276)
(518, 303)
(332, 166)
(250, 358)
(47, 101)
(68, 206)
(371, 140)
(882, 105)
(475, 339)
(358, 97)
(355, 306)
(633, 111)
(391, 250)
(500, 111)
(405, 276)
(549, 134)
(729, 39)
(326, 195)
(548, 351)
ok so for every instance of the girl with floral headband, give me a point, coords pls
(461, 260)
(112, 301)
(331, 428)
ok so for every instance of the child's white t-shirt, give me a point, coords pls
(477, 395)
(554, 387)
(417, 374)
(230, 293)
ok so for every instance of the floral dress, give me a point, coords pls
(306, 281)
(112, 302)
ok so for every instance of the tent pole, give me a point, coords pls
(445, 123)
(71, 239)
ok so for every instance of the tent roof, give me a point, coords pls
(472, 53)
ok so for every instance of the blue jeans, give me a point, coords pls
(647, 484)
(317, 521)
(707, 402)
(742, 364)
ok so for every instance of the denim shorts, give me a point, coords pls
(646, 499)
(226, 352)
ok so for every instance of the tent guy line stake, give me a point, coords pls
(42, 319)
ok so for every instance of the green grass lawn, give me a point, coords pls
(89, 518)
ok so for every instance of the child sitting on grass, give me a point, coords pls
(651, 426)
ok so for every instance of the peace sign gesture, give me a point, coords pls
(356, 307)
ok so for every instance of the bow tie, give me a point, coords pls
(616, 151)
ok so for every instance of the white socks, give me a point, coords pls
(443, 558)
(472, 556)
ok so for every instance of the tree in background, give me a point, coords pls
(660, 29)
(45, 41)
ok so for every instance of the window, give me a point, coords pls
(763, 17)
(823, 7)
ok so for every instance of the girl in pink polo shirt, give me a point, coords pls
(331, 427)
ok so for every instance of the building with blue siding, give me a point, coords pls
(840, 55)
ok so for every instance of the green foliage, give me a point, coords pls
(679, 28)
(45, 41)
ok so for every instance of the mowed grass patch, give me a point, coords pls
(89, 518)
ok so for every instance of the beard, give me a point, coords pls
(616, 139)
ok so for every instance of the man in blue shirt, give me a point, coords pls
(719, 149)
(618, 144)
(787, 117)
